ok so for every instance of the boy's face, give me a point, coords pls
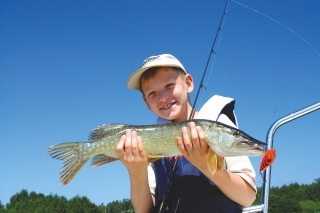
(166, 94)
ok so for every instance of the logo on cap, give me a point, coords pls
(150, 59)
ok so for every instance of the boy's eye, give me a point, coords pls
(151, 94)
(170, 86)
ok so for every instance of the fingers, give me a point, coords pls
(120, 147)
(130, 148)
(140, 147)
(131, 144)
(195, 137)
(193, 143)
(181, 143)
(204, 147)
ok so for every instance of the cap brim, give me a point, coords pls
(134, 79)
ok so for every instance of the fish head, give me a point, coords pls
(246, 145)
(228, 141)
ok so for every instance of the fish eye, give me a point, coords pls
(236, 134)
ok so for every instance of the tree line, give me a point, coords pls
(292, 198)
(25, 202)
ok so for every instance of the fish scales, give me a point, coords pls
(158, 140)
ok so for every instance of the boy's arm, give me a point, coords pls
(239, 165)
(231, 184)
(131, 153)
(239, 173)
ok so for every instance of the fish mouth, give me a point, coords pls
(254, 144)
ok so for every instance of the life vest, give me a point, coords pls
(190, 190)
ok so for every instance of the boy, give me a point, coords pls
(165, 86)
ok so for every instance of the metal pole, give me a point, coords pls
(267, 173)
(272, 130)
(253, 209)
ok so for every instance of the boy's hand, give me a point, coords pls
(196, 149)
(131, 153)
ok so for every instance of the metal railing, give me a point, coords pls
(263, 207)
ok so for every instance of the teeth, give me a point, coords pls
(167, 106)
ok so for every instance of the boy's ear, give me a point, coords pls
(145, 100)
(189, 83)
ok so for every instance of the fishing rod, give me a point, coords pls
(212, 51)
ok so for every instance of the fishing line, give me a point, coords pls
(279, 24)
(212, 52)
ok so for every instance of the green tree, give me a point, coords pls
(56, 203)
(2, 209)
(82, 205)
(17, 202)
(23, 202)
(309, 206)
(313, 191)
(120, 206)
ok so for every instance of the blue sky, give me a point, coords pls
(64, 67)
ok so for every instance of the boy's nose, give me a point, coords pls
(163, 95)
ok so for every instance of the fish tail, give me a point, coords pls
(70, 153)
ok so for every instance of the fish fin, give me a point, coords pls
(72, 163)
(151, 160)
(99, 160)
(267, 159)
(212, 161)
(155, 157)
(220, 162)
(104, 130)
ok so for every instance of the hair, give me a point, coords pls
(150, 73)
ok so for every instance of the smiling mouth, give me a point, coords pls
(168, 106)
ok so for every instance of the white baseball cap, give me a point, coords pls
(163, 60)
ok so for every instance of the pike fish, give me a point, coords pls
(158, 142)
